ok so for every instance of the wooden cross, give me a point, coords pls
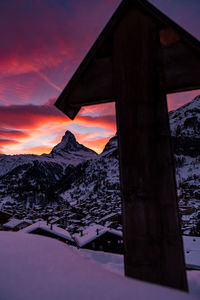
(140, 56)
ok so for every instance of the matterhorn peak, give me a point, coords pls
(67, 139)
(68, 133)
(69, 145)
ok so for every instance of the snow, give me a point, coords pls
(178, 117)
(5, 199)
(192, 251)
(115, 263)
(109, 261)
(68, 151)
(194, 283)
(91, 233)
(191, 244)
(14, 222)
(43, 225)
(108, 216)
(40, 268)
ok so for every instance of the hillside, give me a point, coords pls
(57, 271)
(86, 185)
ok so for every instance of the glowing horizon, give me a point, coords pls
(42, 43)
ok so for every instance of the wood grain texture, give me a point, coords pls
(77, 88)
(152, 239)
(181, 65)
(139, 57)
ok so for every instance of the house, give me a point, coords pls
(16, 224)
(100, 238)
(112, 218)
(49, 230)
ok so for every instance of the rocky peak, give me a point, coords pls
(69, 144)
(185, 128)
(185, 121)
(111, 148)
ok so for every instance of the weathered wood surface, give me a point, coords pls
(152, 238)
(181, 67)
(139, 57)
(95, 85)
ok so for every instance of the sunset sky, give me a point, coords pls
(42, 43)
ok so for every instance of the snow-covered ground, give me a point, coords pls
(115, 264)
(192, 251)
(40, 268)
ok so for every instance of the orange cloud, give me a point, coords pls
(37, 150)
(34, 124)
(97, 144)
(10, 134)
(8, 142)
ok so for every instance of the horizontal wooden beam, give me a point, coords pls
(95, 84)
(94, 87)
(181, 67)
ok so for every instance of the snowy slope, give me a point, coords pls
(185, 129)
(185, 121)
(38, 268)
(90, 182)
(111, 148)
(69, 148)
(95, 187)
(115, 264)
(31, 178)
(68, 151)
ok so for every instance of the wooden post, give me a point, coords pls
(152, 239)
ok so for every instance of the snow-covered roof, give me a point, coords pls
(36, 267)
(15, 222)
(192, 251)
(108, 216)
(43, 225)
(116, 232)
(92, 233)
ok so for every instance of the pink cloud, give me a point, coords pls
(176, 100)
(7, 133)
(28, 123)
(45, 34)
(45, 40)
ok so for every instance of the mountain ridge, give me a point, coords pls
(64, 153)
(90, 182)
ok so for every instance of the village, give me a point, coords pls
(74, 217)
(69, 225)
(78, 214)
(66, 223)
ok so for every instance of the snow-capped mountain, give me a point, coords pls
(185, 121)
(94, 184)
(185, 128)
(31, 178)
(111, 148)
(68, 151)
(74, 174)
